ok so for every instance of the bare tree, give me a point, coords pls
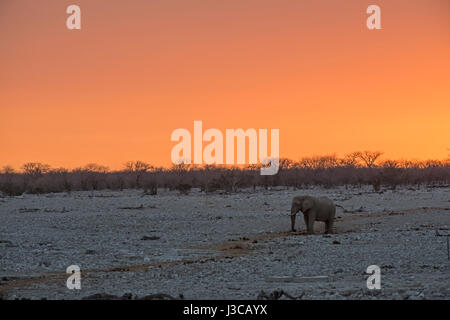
(60, 170)
(180, 167)
(35, 168)
(285, 163)
(93, 175)
(390, 164)
(93, 167)
(308, 163)
(351, 159)
(369, 157)
(7, 170)
(138, 168)
(328, 161)
(319, 162)
(433, 164)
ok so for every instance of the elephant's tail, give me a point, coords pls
(337, 205)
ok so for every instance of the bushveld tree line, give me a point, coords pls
(354, 169)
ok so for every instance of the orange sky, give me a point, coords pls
(116, 89)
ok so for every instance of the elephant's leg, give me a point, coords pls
(311, 219)
(329, 226)
(305, 217)
(292, 222)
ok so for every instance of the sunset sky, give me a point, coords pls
(137, 70)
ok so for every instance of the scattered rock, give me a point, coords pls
(132, 208)
(160, 296)
(346, 293)
(277, 294)
(150, 238)
(102, 296)
(374, 292)
(63, 210)
(27, 210)
(130, 296)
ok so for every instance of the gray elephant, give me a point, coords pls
(314, 209)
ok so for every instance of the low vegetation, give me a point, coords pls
(355, 169)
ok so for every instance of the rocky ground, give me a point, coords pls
(219, 246)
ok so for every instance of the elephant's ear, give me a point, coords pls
(296, 202)
(307, 204)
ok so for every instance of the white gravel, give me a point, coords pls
(219, 246)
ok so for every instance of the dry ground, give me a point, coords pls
(220, 246)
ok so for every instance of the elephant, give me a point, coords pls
(314, 209)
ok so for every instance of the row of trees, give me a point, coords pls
(357, 168)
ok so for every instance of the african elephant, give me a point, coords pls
(314, 209)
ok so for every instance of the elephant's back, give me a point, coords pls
(326, 200)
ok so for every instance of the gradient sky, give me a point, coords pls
(116, 89)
